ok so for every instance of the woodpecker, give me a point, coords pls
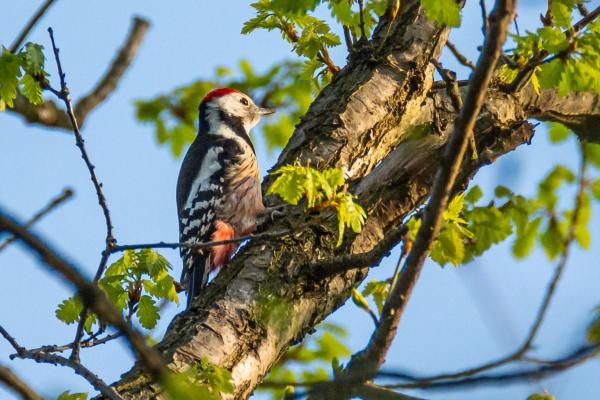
(218, 189)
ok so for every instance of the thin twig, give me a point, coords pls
(366, 363)
(15, 383)
(454, 93)
(334, 266)
(459, 56)
(361, 16)
(92, 342)
(348, 39)
(519, 353)
(109, 239)
(66, 194)
(198, 246)
(484, 18)
(583, 22)
(574, 359)
(45, 358)
(582, 9)
(30, 25)
(92, 296)
(550, 367)
(111, 78)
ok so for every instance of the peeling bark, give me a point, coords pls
(379, 121)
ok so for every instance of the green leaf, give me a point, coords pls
(153, 263)
(489, 226)
(551, 74)
(115, 292)
(525, 241)
(449, 246)
(444, 12)
(68, 311)
(553, 39)
(558, 132)
(595, 186)
(290, 184)
(593, 332)
(561, 12)
(541, 396)
(549, 185)
(34, 58)
(31, 89)
(474, 195)
(592, 154)
(10, 72)
(147, 312)
(379, 290)
(67, 395)
(502, 191)
(553, 240)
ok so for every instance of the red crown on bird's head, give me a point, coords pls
(218, 92)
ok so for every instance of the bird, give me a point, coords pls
(219, 194)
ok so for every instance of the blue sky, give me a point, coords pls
(457, 317)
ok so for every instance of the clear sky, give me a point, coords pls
(457, 317)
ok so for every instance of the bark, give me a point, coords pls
(380, 121)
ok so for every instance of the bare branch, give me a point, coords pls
(198, 246)
(520, 353)
(577, 357)
(92, 342)
(484, 18)
(368, 361)
(66, 194)
(109, 239)
(111, 78)
(49, 115)
(91, 295)
(459, 56)
(30, 25)
(44, 358)
(15, 383)
(350, 261)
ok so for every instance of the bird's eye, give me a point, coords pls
(244, 101)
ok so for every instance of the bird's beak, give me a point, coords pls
(265, 111)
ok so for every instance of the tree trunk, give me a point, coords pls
(382, 123)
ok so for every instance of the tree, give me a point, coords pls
(380, 136)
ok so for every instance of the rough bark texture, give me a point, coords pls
(379, 121)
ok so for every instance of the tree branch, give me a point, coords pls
(548, 368)
(49, 115)
(15, 383)
(110, 240)
(366, 363)
(459, 56)
(520, 353)
(41, 357)
(30, 25)
(55, 202)
(91, 295)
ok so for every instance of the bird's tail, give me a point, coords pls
(197, 275)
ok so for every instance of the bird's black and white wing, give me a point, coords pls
(199, 191)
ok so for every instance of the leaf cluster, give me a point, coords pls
(570, 59)
(203, 381)
(22, 72)
(134, 283)
(321, 189)
(308, 361)
(469, 228)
